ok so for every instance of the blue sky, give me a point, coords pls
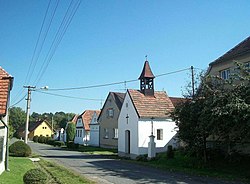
(107, 42)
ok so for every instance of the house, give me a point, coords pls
(6, 82)
(145, 113)
(58, 135)
(224, 65)
(83, 126)
(108, 120)
(38, 128)
(94, 130)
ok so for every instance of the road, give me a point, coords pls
(105, 170)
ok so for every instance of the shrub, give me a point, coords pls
(20, 149)
(47, 139)
(59, 143)
(70, 131)
(41, 139)
(35, 138)
(50, 142)
(72, 145)
(143, 158)
(35, 176)
(170, 152)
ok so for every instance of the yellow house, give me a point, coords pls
(224, 65)
(39, 128)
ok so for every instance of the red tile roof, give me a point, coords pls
(177, 100)
(146, 71)
(87, 117)
(5, 86)
(240, 49)
(157, 106)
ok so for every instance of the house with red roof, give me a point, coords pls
(83, 126)
(6, 82)
(145, 113)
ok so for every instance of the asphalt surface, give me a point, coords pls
(105, 170)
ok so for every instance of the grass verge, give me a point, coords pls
(18, 167)
(61, 174)
(191, 165)
(96, 150)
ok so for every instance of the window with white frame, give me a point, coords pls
(106, 133)
(115, 131)
(225, 74)
(110, 112)
(159, 134)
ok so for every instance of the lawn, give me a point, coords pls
(61, 174)
(57, 174)
(18, 166)
(97, 150)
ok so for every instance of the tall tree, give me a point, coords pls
(220, 109)
(70, 131)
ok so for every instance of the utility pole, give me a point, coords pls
(192, 71)
(28, 112)
(52, 127)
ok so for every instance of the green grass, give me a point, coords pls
(18, 167)
(61, 174)
(191, 165)
(97, 150)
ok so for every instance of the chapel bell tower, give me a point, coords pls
(147, 80)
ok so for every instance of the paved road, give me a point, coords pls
(106, 171)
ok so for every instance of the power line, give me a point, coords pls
(58, 38)
(18, 101)
(66, 96)
(111, 84)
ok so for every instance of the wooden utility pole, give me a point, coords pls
(28, 112)
(192, 71)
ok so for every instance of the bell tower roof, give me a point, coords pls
(146, 71)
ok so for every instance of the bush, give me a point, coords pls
(20, 149)
(47, 139)
(42, 139)
(51, 142)
(35, 138)
(143, 158)
(72, 145)
(59, 143)
(35, 176)
(170, 152)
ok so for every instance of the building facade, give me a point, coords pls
(108, 120)
(6, 82)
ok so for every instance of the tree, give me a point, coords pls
(17, 117)
(70, 131)
(220, 111)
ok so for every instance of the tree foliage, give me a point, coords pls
(70, 131)
(220, 111)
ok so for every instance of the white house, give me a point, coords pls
(94, 130)
(145, 112)
(6, 82)
(82, 127)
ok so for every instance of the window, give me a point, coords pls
(106, 133)
(80, 133)
(94, 119)
(225, 74)
(159, 134)
(76, 133)
(45, 127)
(1, 147)
(47, 135)
(110, 112)
(115, 130)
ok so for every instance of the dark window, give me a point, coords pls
(159, 134)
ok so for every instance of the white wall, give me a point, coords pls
(123, 125)
(94, 135)
(3, 132)
(144, 128)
